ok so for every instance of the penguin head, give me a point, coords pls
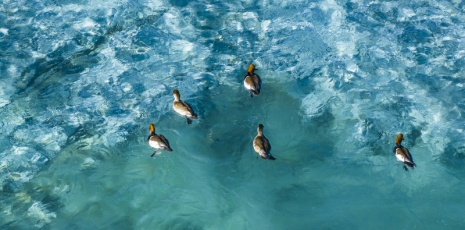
(176, 94)
(152, 128)
(251, 68)
(399, 139)
(260, 129)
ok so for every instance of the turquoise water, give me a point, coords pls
(82, 80)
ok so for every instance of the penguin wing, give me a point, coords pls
(266, 144)
(407, 154)
(164, 140)
(189, 109)
(258, 144)
(257, 82)
(262, 143)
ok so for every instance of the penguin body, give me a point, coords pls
(261, 145)
(403, 154)
(157, 141)
(182, 108)
(252, 81)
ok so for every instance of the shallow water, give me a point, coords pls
(81, 81)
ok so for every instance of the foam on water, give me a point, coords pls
(80, 83)
(39, 212)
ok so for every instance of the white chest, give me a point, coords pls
(155, 144)
(400, 157)
(247, 86)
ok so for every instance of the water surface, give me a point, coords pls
(82, 80)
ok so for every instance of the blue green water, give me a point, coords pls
(80, 82)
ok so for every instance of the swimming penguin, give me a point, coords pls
(252, 81)
(261, 145)
(158, 141)
(402, 153)
(183, 108)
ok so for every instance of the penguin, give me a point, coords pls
(402, 153)
(252, 81)
(261, 145)
(158, 141)
(183, 108)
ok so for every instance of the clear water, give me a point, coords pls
(80, 81)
